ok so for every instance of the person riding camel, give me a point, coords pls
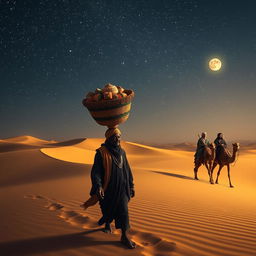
(219, 142)
(201, 144)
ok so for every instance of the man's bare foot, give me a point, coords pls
(107, 229)
(83, 206)
(128, 243)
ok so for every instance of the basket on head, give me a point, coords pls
(110, 113)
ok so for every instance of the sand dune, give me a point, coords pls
(9, 146)
(185, 146)
(67, 142)
(23, 167)
(29, 140)
(171, 214)
(84, 153)
(22, 143)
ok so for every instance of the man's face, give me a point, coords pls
(115, 140)
(203, 135)
(221, 136)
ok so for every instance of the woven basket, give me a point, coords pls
(110, 113)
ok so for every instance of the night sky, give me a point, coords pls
(53, 52)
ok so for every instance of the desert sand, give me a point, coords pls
(42, 184)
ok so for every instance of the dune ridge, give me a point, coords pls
(25, 139)
(84, 151)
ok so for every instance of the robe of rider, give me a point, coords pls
(219, 142)
(201, 143)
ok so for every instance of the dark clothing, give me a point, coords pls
(219, 143)
(201, 143)
(114, 206)
(116, 153)
(117, 212)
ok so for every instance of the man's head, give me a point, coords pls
(113, 136)
(220, 135)
(204, 135)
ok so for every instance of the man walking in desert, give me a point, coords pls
(112, 185)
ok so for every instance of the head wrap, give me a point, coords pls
(112, 131)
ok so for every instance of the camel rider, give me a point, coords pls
(201, 144)
(219, 142)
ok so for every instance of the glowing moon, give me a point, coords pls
(215, 64)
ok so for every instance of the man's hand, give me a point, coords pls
(132, 192)
(100, 193)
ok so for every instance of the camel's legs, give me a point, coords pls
(228, 167)
(210, 171)
(213, 167)
(207, 167)
(221, 166)
(197, 165)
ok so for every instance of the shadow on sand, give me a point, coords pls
(33, 166)
(66, 143)
(53, 244)
(174, 175)
(179, 176)
(12, 146)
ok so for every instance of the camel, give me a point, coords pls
(207, 159)
(225, 158)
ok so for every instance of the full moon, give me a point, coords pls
(215, 64)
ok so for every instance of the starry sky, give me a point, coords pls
(53, 52)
